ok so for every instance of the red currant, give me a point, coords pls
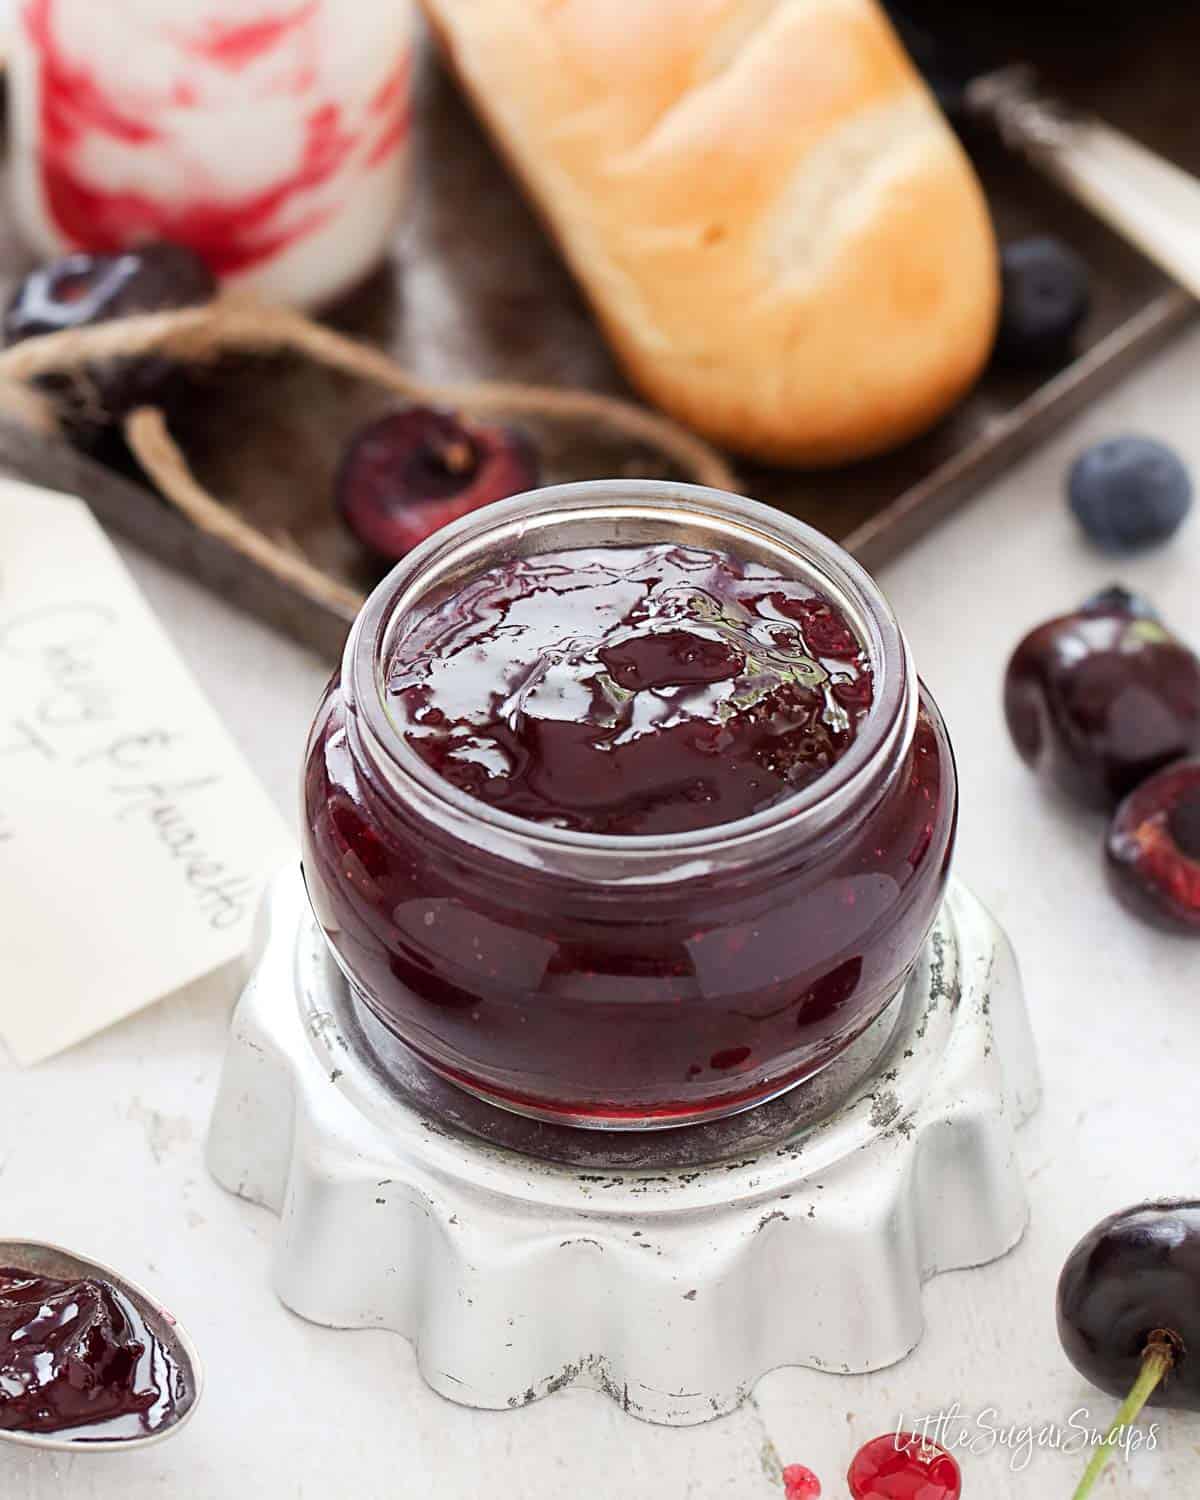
(800, 1483)
(902, 1466)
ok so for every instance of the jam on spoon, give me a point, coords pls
(78, 1355)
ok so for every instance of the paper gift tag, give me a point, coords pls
(134, 840)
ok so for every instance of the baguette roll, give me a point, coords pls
(779, 233)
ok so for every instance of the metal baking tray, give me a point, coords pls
(475, 290)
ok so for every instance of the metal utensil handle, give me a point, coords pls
(1149, 201)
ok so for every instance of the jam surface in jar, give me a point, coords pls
(78, 1354)
(630, 690)
(627, 835)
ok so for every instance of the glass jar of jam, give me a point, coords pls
(627, 807)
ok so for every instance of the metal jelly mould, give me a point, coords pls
(670, 1269)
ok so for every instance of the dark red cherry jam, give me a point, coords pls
(78, 1354)
(630, 690)
(626, 807)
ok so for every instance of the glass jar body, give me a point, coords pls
(624, 1004)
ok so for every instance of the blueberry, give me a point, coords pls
(1046, 298)
(1129, 492)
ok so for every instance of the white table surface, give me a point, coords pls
(101, 1148)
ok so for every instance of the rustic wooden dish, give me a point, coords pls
(476, 291)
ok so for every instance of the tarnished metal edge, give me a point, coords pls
(136, 513)
(952, 484)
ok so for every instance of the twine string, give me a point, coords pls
(160, 457)
(230, 324)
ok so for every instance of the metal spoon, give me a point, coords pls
(1152, 202)
(52, 1260)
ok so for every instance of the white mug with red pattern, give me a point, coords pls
(269, 135)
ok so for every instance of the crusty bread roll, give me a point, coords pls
(778, 231)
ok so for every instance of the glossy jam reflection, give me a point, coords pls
(614, 997)
(78, 1354)
(648, 690)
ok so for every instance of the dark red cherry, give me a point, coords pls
(79, 290)
(1098, 700)
(1153, 849)
(1133, 1276)
(903, 1466)
(410, 472)
(1129, 1314)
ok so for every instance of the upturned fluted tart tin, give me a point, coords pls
(670, 1269)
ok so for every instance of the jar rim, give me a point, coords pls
(632, 510)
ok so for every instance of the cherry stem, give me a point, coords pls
(1158, 1360)
(457, 456)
